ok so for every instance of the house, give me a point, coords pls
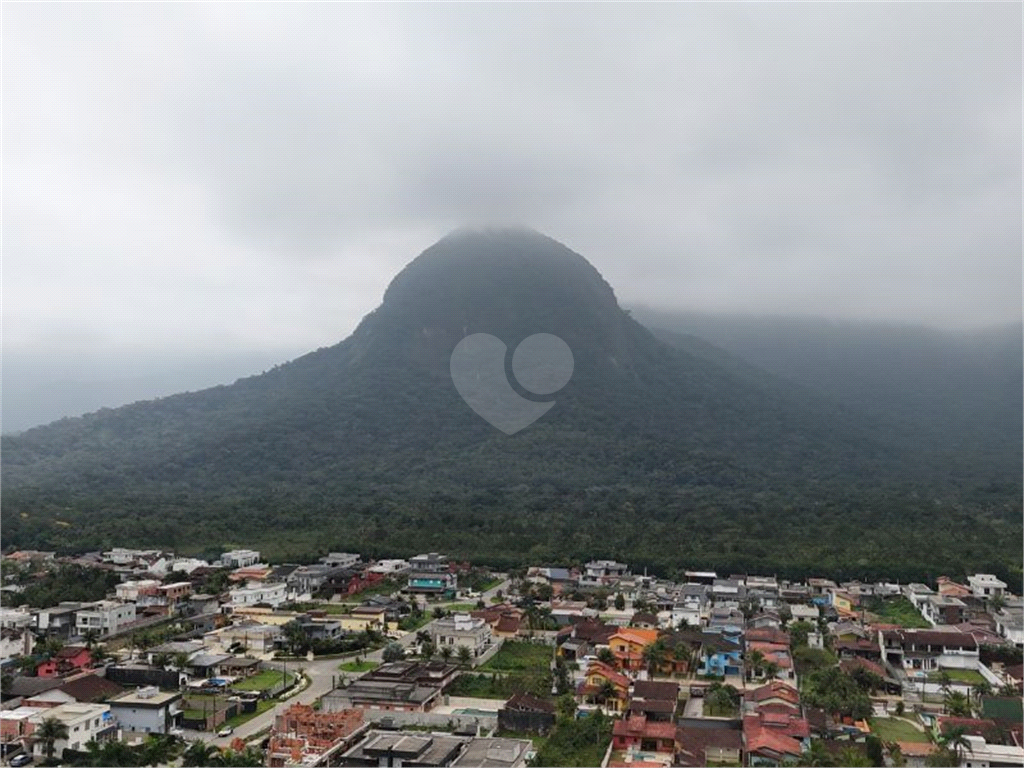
(404, 686)
(389, 567)
(302, 735)
(774, 737)
(602, 573)
(604, 686)
(403, 749)
(505, 620)
(926, 650)
(981, 754)
(776, 693)
(255, 593)
(703, 741)
(58, 621)
(363, 618)
(495, 752)
(944, 609)
(764, 620)
(70, 658)
(655, 700)
(726, 619)
(644, 620)
(84, 722)
(559, 578)
(691, 605)
(628, 645)
(951, 588)
(91, 688)
(340, 559)
(526, 713)
(889, 684)
(801, 612)
(147, 710)
(461, 630)
(1010, 624)
(917, 593)
(985, 586)
(640, 733)
(720, 655)
(239, 558)
(255, 638)
(108, 617)
(728, 589)
(706, 578)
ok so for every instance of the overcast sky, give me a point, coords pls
(217, 187)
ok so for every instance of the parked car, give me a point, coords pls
(23, 759)
(227, 730)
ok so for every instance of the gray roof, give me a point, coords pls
(497, 752)
(209, 659)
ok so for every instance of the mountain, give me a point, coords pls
(953, 394)
(657, 454)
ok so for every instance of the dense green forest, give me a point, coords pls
(668, 456)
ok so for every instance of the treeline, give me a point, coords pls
(861, 534)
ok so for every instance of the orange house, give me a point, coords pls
(628, 646)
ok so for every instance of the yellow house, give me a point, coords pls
(599, 675)
(628, 646)
(365, 617)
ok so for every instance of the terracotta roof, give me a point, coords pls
(776, 689)
(527, 702)
(693, 743)
(652, 705)
(508, 624)
(916, 748)
(640, 727)
(947, 638)
(69, 651)
(91, 688)
(768, 635)
(848, 665)
(635, 635)
(972, 726)
(759, 738)
(609, 673)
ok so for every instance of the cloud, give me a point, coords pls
(252, 175)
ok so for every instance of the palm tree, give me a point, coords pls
(605, 692)
(817, 755)
(654, 656)
(957, 704)
(945, 681)
(90, 636)
(606, 656)
(161, 659)
(853, 758)
(465, 656)
(161, 749)
(984, 688)
(427, 651)
(446, 652)
(955, 739)
(180, 660)
(50, 731)
(199, 754)
(771, 669)
(755, 659)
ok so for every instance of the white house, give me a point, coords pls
(147, 710)
(1010, 624)
(986, 586)
(255, 592)
(85, 723)
(389, 566)
(106, 616)
(240, 558)
(128, 591)
(462, 629)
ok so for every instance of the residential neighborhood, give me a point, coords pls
(432, 662)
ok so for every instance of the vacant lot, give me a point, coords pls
(896, 729)
(261, 681)
(516, 656)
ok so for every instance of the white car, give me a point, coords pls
(227, 730)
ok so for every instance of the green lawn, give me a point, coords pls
(519, 656)
(968, 676)
(710, 710)
(410, 624)
(261, 707)
(896, 729)
(897, 610)
(461, 607)
(261, 681)
(358, 666)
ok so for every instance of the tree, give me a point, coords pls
(161, 749)
(817, 755)
(566, 706)
(606, 656)
(799, 631)
(465, 656)
(982, 689)
(945, 681)
(50, 731)
(605, 692)
(438, 612)
(896, 754)
(620, 602)
(427, 650)
(876, 753)
(955, 739)
(957, 704)
(90, 636)
(161, 660)
(446, 652)
(836, 692)
(199, 755)
(755, 661)
(180, 660)
(853, 758)
(393, 652)
(654, 656)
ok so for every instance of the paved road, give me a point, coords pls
(323, 675)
